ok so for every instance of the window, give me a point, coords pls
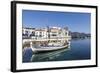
(32, 34)
(54, 34)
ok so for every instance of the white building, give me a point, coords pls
(52, 32)
(55, 35)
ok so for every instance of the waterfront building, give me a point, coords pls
(50, 36)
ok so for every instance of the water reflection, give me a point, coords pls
(77, 50)
(48, 56)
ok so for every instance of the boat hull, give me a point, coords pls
(47, 49)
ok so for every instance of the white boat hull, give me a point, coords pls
(44, 49)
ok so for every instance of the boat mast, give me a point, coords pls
(48, 30)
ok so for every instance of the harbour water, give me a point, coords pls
(80, 49)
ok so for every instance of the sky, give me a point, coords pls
(75, 21)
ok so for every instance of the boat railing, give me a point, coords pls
(45, 39)
(36, 38)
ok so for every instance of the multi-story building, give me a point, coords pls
(52, 32)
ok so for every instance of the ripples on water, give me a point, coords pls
(79, 50)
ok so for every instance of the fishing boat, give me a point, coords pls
(47, 48)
